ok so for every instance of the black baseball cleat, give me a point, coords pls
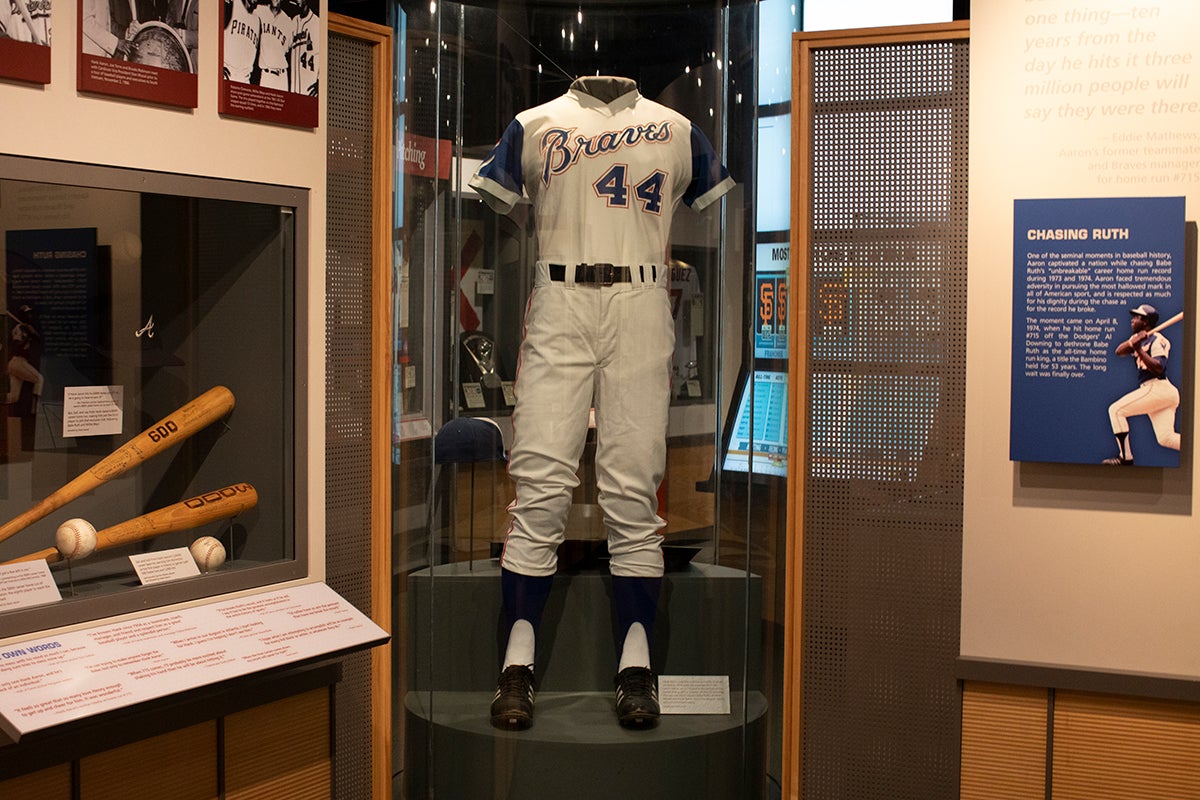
(637, 697)
(512, 707)
(1118, 462)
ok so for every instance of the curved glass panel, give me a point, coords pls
(468, 271)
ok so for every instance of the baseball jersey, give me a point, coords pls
(17, 28)
(241, 42)
(1157, 347)
(303, 58)
(273, 44)
(605, 178)
(685, 291)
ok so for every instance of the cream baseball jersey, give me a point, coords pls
(241, 40)
(277, 31)
(304, 56)
(605, 177)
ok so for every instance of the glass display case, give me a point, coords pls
(464, 276)
(153, 341)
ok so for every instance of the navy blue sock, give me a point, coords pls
(635, 600)
(523, 597)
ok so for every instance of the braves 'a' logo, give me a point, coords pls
(560, 150)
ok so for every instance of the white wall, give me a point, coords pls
(1072, 565)
(58, 122)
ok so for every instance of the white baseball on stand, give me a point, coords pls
(75, 538)
(208, 552)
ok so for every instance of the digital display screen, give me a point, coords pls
(780, 18)
(758, 441)
(771, 261)
(773, 193)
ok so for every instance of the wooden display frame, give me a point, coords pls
(803, 45)
(380, 39)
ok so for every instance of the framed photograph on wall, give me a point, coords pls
(25, 40)
(139, 49)
(270, 61)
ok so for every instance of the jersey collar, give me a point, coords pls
(604, 91)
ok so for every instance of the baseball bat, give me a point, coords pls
(23, 10)
(175, 427)
(1168, 323)
(18, 320)
(200, 510)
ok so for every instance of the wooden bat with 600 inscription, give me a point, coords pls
(185, 421)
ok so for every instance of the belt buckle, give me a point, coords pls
(603, 274)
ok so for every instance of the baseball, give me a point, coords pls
(208, 552)
(75, 538)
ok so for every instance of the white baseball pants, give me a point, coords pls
(604, 346)
(1157, 399)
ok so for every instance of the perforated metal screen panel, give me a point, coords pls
(886, 385)
(348, 321)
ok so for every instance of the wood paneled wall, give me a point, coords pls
(276, 750)
(1086, 746)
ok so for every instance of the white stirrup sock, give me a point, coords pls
(635, 652)
(520, 645)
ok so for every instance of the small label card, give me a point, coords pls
(28, 583)
(693, 694)
(164, 565)
(485, 282)
(474, 394)
(92, 410)
(510, 393)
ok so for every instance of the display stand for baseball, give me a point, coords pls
(208, 553)
(75, 538)
(180, 424)
(211, 506)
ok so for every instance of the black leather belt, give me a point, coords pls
(603, 274)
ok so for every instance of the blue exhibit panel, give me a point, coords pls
(1079, 267)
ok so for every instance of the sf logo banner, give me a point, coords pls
(770, 329)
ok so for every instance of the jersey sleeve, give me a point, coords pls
(710, 179)
(1160, 347)
(499, 179)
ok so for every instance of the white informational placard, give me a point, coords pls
(474, 394)
(28, 583)
(92, 410)
(61, 678)
(693, 694)
(161, 566)
(485, 282)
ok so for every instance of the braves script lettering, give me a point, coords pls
(560, 153)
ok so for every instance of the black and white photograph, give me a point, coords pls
(25, 21)
(270, 47)
(158, 34)
(25, 40)
(140, 49)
